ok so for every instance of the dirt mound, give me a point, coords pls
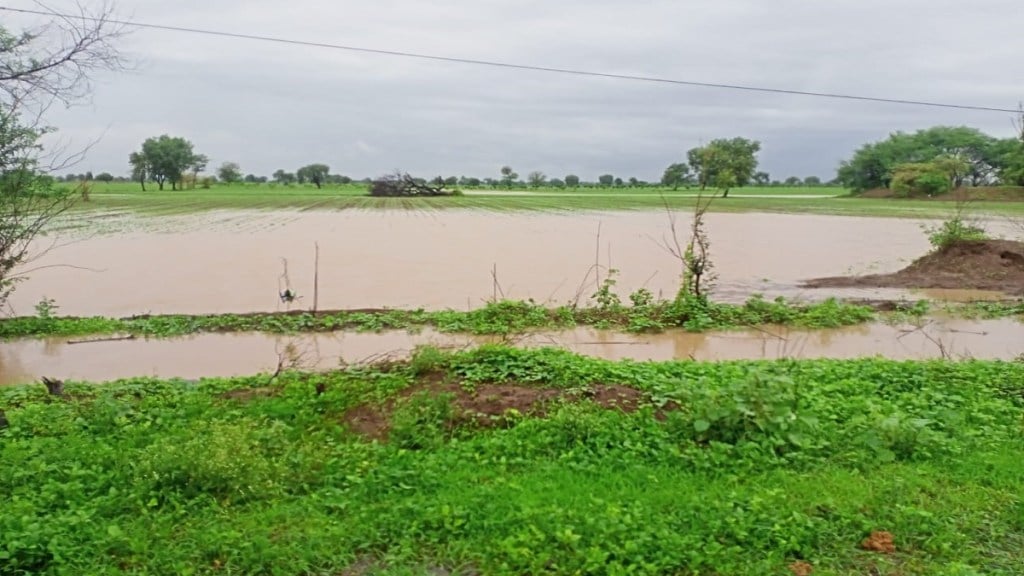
(881, 542)
(486, 404)
(996, 265)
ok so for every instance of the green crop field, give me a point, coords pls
(813, 200)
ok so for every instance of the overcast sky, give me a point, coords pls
(269, 106)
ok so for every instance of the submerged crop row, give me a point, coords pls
(505, 461)
(503, 317)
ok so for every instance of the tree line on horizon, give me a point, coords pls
(930, 161)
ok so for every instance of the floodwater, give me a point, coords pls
(233, 261)
(213, 355)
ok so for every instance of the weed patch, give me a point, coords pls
(507, 461)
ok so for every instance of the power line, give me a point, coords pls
(457, 60)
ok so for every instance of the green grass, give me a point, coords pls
(749, 467)
(128, 197)
(509, 317)
(503, 317)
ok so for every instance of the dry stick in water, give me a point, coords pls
(495, 284)
(943, 350)
(594, 268)
(316, 275)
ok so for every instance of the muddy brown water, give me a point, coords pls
(232, 261)
(240, 354)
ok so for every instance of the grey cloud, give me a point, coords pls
(268, 106)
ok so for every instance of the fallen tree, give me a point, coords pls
(400, 184)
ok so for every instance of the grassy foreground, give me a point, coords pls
(738, 468)
(812, 200)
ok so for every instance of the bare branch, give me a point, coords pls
(54, 62)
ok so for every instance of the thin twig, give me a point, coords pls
(316, 276)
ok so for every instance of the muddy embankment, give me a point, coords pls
(990, 265)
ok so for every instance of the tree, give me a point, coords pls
(634, 182)
(762, 178)
(725, 163)
(572, 181)
(140, 170)
(556, 183)
(508, 176)
(38, 68)
(676, 175)
(606, 180)
(618, 182)
(315, 173)
(401, 184)
(873, 165)
(812, 181)
(249, 179)
(793, 181)
(282, 177)
(166, 159)
(104, 177)
(231, 172)
(537, 179)
(198, 164)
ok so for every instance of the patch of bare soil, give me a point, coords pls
(801, 568)
(996, 265)
(881, 542)
(486, 405)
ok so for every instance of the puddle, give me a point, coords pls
(239, 354)
(232, 261)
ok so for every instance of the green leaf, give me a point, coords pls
(701, 425)
(114, 531)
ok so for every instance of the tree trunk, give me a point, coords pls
(726, 193)
(160, 184)
(143, 182)
(317, 182)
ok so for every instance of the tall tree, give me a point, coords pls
(231, 172)
(140, 169)
(572, 181)
(536, 179)
(725, 163)
(199, 162)
(676, 175)
(508, 176)
(167, 159)
(315, 173)
(606, 180)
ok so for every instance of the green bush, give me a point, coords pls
(953, 232)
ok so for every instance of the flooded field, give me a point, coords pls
(232, 262)
(240, 354)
